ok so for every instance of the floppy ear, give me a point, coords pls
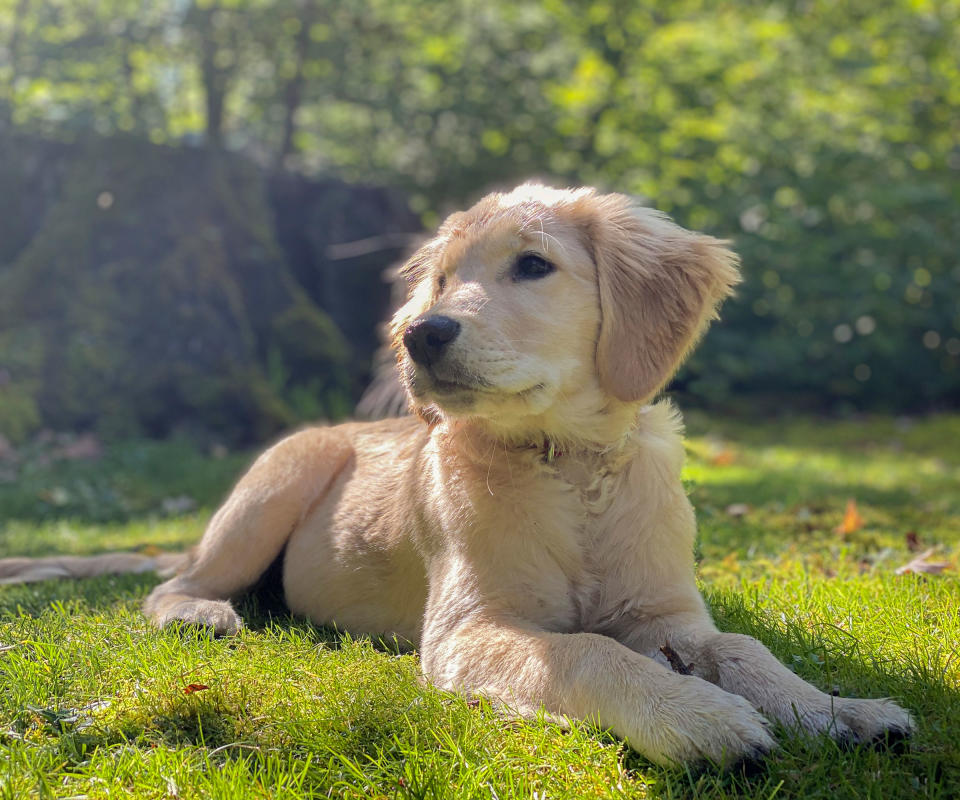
(660, 286)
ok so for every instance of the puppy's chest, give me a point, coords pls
(570, 540)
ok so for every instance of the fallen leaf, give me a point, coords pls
(738, 509)
(852, 521)
(724, 458)
(730, 562)
(194, 687)
(921, 565)
(913, 542)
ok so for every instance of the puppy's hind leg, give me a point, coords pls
(250, 530)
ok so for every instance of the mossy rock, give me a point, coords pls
(153, 294)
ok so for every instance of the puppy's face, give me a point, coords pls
(537, 308)
(504, 316)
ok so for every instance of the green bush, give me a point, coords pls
(850, 293)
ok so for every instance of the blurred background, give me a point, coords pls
(199, 199)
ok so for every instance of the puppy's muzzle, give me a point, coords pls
(427, 338)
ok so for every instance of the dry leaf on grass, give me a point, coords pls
(194, 687)
(730, 562)
(723, 458)
(913, 542)
(921, 565)
(852, 521)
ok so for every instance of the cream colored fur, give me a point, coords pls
(543, 583)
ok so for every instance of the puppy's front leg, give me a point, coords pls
(667, 717)
(742, 665)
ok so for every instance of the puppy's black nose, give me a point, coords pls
(426, 338)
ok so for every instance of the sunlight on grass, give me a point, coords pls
(94, 702)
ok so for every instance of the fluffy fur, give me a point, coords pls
(527, 529)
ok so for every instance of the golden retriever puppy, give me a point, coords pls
(527, 529)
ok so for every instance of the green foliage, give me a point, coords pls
(820, 137)
(94, 703)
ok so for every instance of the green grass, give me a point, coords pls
(92, 700)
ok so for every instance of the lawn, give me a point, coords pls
(96, 703)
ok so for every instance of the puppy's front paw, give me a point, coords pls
(846, 719)
(707, 723)
(215, 614)
(874, 720)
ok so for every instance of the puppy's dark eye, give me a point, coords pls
(441, 283)
(530, 266)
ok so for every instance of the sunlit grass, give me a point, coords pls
(93, 699)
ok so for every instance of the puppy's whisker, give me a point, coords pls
(493, 450)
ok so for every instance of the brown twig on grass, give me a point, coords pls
(676, 663)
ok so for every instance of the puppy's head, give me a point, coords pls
(541, 308)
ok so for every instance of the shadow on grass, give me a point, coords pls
(934, 435)
(929, 766)
(929, 763)
(130, 480)
(791, 488)
(800, 485)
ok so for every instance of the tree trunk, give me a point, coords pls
(136, 101)
(214, 77)
(13, 50)
(214, 88)
(293, 91)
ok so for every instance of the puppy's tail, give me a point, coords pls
(29, 570)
